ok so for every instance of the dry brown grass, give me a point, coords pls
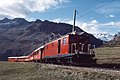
(39, 71)
(108, 55)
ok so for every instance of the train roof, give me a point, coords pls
(73, 33)
(39, 48)
(19, 57)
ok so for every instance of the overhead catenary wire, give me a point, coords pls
(91, 11)
(59, 3)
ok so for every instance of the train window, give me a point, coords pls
(64, 41)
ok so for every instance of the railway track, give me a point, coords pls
(99, 68)
(115, 67)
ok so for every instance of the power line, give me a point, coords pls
(59, 2)
(89, 12)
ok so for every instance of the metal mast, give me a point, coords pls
(74, 17)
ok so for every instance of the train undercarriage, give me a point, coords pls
(71, 59)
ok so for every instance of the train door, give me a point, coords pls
(42, 53)
(73, 47)
(59, 45)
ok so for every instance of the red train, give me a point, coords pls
(71, 48)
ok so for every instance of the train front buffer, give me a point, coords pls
(81, 48)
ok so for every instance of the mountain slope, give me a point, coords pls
(20, 37)
(104, 37)
(115, 42)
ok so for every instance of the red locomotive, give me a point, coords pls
(71, 48)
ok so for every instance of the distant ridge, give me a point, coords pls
(115, 42)
(104, 37)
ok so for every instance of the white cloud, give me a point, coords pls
(93, 26)
(90, 27)
(111, 16)
(113, 24)
(96, 27)
(21, 8)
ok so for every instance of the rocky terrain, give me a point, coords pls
(20, 37)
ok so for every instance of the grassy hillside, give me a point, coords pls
(39, 71)
(108, 55)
